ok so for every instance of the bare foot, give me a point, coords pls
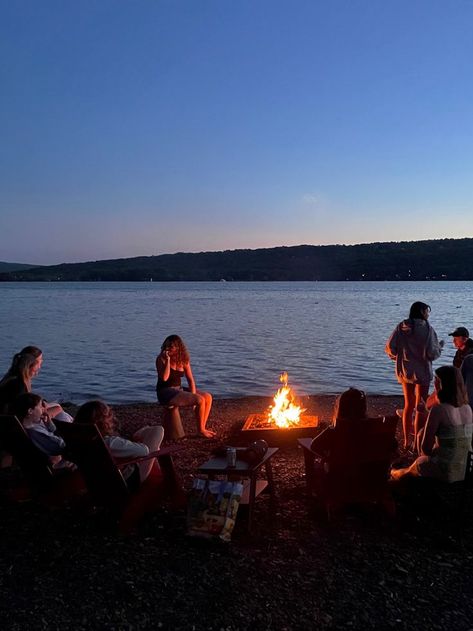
(207, 433)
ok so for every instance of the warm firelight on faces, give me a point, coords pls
(284, 412)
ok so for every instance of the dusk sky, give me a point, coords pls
(133, 128)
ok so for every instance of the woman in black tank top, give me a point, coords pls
(172, 364)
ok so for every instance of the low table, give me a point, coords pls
(244, 470)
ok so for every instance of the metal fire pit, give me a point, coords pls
(257, 426)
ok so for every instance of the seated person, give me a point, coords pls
(350, 408)
(446, 438)
(145, 440)
(172, 364)
(17, 380)
(30, 411)
(355, 454)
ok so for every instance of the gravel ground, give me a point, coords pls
(62, 568)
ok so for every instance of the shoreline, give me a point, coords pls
(229, 413)
(244, 397)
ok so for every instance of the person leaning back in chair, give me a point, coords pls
(463, 344)
(172, 364)
(147, 439)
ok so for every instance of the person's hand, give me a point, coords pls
(45, 418)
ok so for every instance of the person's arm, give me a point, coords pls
(391, 345)
(431, 428)
(52, 409)
(46, 441)
(432, 400)
(434, 347)
(190, 377)
(163, 365)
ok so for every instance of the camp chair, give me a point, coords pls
(357, 467)
(105, 482)
(39, 480)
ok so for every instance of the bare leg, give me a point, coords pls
(419, 439)
(152, 437)
(409, 405)
(421, 393)
(208, 404)
(187, 399)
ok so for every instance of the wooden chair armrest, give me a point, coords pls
(165, 451)
(310, 451)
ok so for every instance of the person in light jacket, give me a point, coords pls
(414, 345)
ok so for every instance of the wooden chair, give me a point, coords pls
(39, 480)
(357, 466)
(105, 482)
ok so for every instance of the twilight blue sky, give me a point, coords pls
(141, 127)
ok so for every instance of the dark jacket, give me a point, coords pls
(461, 354)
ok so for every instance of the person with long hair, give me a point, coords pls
(145, 440)
(349, 410)
(17, 380)
(446, 438)
(414, 345)
(172, 364)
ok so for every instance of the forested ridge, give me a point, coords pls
(441, 259)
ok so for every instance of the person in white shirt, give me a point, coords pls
(145, 440)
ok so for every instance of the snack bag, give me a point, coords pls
(212, 508)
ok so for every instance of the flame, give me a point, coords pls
(284, 412)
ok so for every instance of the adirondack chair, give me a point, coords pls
(105, 482)
(39, 480)
(356, 467)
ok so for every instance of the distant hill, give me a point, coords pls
(440, 259)
(13, 267)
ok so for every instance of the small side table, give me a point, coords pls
(244, 470)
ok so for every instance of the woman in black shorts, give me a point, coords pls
(172, 364)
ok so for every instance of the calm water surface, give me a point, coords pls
(101, 339)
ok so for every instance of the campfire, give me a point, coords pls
(282, 420)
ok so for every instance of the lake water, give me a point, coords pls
(101, 339)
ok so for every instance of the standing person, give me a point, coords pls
(463, 344)
(446, 439)
(414, 345)
(173, 363)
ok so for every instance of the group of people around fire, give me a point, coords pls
(436, 426)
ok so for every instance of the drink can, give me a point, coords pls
(231, 457)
